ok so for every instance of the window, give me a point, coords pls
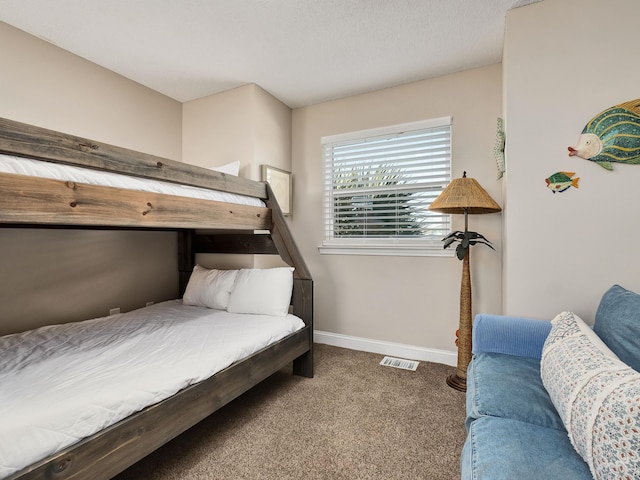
(377, 187)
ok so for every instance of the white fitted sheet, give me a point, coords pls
(61, 383)
(58, 171)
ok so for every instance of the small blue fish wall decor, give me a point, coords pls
(612, 136)
(561, 181)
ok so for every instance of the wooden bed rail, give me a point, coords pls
(108, 452)
(32, 200)
(25, 140)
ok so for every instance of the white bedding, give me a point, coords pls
(61, 383)
(57, 171)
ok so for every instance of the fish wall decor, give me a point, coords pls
(561, 181)
(612, 136)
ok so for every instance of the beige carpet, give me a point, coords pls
(354, 420)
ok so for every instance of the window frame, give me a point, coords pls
(372, 245)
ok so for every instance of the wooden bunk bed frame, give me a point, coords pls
(36, 202)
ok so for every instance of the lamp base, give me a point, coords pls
(454, 381)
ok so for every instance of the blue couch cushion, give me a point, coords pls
(618, 324)
(519, 336)
(508, 386)
(504, 449)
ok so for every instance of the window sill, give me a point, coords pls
(435, 250)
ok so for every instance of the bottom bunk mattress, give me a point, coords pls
(62, 383)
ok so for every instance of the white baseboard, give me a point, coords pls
(410, 352)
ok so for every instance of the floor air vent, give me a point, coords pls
(400, 363)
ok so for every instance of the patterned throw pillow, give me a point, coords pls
(597, 397)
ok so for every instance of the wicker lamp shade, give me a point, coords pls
(464, 193)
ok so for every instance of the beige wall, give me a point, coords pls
(406, 300)
(46, 86)
(245, 124)
(61, 275)
(215, 130)
(565, 61)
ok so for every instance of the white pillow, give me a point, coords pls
(232, 168)
(262, 291)
(209, 287)
(597, 396)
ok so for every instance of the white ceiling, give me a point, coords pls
(301, 51)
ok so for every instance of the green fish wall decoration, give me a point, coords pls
(561, 181)
(612, 136)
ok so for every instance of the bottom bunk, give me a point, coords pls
(88, 399)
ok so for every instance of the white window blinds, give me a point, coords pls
(379, 183)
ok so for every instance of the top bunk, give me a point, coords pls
(25, 199)
(181, 196)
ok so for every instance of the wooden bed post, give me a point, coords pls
(303, 308)
(186, 258)
(302, 282)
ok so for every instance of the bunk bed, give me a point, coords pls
(202, 226)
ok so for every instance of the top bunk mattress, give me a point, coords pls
(62, 383)
(57, 171)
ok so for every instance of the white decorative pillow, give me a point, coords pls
(209, 288)
(262, 291)
(232, 168)
(596, 395)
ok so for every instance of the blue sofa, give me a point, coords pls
(514, 429)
